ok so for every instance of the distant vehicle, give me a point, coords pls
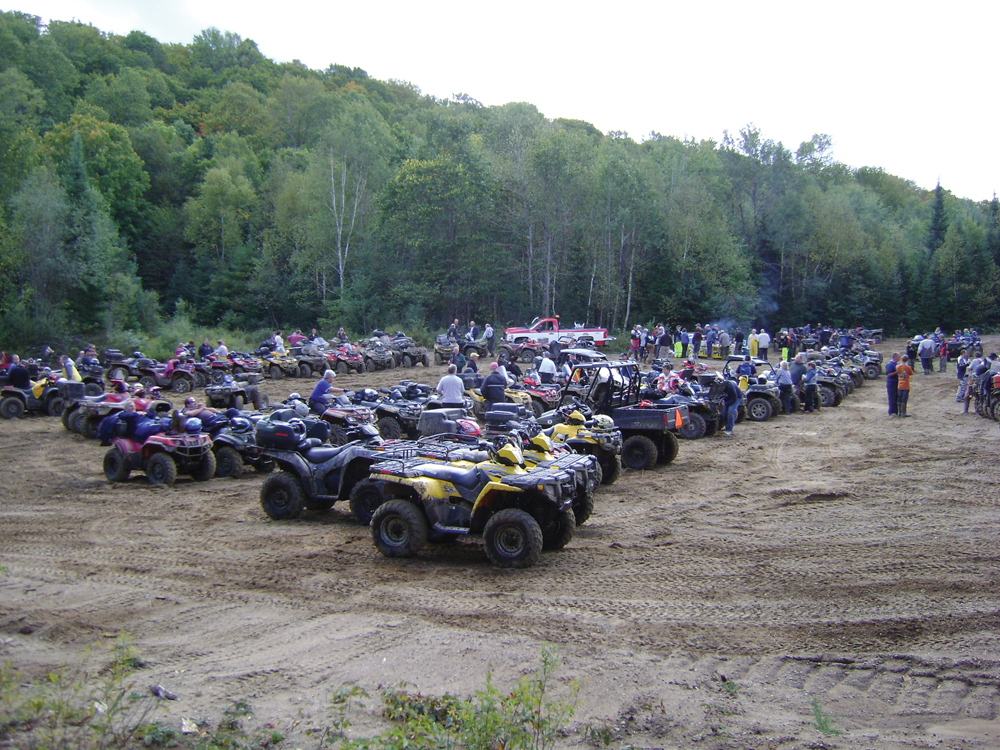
(547, 330)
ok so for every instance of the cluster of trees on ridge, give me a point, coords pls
(139, 179)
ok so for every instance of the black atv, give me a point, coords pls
(406, 351)
(377, 355)
(236, 392)
(234, 445)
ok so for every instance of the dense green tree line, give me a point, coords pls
(136, 177)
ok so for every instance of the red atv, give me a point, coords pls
(345, 358)
(544, 396)
(174, 375)
(524, 351)
(164, 455)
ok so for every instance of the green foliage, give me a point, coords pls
(821, 720)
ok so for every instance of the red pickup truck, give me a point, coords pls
(547, 330)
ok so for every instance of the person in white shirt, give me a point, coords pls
(452, 389)
(547, 369)
(763, 341)
(222, 350)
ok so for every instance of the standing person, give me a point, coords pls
(783, 378)
(943, 357)
(925, 351)
(664, 342)
(763, 342)
(643, 343)
(633, 343)
(724, 344)
(69, 370)
(279, 344)
(547, 369)
(752, 342)
(493, 387)
(892, 382)
(962, 365)
(810, 387)
(696, 342)
(731, 405)
(221, 350)
(738, 341)
(685, 342)
(318, 399)
(296, 338)
(903, 373)
(452, 389)
(490, 335)
(453, 330)
(798, 369)
(205, 349)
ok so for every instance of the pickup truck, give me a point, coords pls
(547, 330)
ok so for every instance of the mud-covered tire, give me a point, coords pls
(872, 371)
(161, 469)
(612, 469)
(639, 452)
(407, 360)
(54, 406)
(205, 469)
(260, 401)
(305, 370)
(342, 368)
(759, 410)
(339, 436)
(512, 539)
(66, 418)
(200, 381)
(389, 428)
(583, 508)
(117, 373)
(695, 427)
(712, 426)
(88, 426)
(741, 414)
(369, 364)
(427, 360)
(367, 496)
(217, 376)
(11, 407)
(399, 528)
(671, 447)
(182, 385)
(560, 531)
(838, 397)
(116, 467)
(528, 356)
(599, 471)
(537, 408)
(147, 381)
(281, 496)
(826, 396)
(92, 389)
(274, 372)
(228, 462)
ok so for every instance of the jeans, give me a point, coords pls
(812, 398)
(786, 398)
(891, 392)
(762, 352)
(928, 365)
(730, 411)
(901, 398)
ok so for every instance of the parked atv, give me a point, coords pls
(173, 375)
(348, 420)
(524, 350)
(763, 397)
(277, 366)
(14, 402)
(234, 445)
(479, 346)
(405, 350)
(444, 347)
(82, 414)
(236, 393)
(311, 360)
(345, 358)
(119, 367)
(162, 456)
(517, 511)
(377, 356)
(544, 396)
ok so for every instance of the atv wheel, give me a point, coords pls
(599, 472)
(55, 406)
(161, 469)
(528, 356)
(260, 402)
(399, 528)
(468, 351)
(671, 446)
(838, 397)
(639, 452)
(305, 371)
(117, 373)
(827, 396)
(871, 372)
(92, 389)
(537, 408)
(796, 404)
(147, 382)
(427, 360)
(712, 426)
(274, 372)
(583, 508)
(369, 365)
(741, 413)
(88, 426)
(228, 462)
(695, 427)
(182, 385)
(342, 368)
(407, 360)
(281, 496)
(858, 378)
(512, 539)
(218, 376)
(759, 409)
(367, 497)
(116, 467)
(339, 436)
(67, 416)
(11, 407)
(389, 428)
(199, 379)
(560, 531)
(612, 468)
(391, 364)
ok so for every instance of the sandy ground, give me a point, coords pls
(845, 557)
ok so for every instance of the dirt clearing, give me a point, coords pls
(845, 557)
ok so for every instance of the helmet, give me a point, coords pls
(294, 397)
(507, 452)
(541, 441)
(192, 424)
(604, 422)
(240, 424)
(301, 409)
(369, 394)
(468, 427)
(118, 386)
(575, 417)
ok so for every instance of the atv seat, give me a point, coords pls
(467, 478)
(317, 454)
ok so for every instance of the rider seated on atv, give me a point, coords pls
(17, 374)
(667, 381)
(193, 408)
(128, 423)
(319, 398)
(746, 368)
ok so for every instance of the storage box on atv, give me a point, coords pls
(71, 390)
(282, 435)
(471, 380)
(440, 422)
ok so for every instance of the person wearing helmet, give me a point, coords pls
(319, 398)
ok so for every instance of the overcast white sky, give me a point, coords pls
(906, 86)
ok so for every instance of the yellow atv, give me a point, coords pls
(541, 452)
(597, 437)
(519, 512)
(522, 398)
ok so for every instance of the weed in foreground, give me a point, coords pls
(821, 721)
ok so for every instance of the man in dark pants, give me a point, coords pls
(892, 382)
(493, 387)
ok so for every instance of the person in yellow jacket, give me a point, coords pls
(69, 370)
(752, 343)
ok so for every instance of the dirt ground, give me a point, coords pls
(842, 556)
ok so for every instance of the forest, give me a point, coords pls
(143, 182)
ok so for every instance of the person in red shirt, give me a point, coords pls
(903, 373)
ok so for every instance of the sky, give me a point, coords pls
(906, 86)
